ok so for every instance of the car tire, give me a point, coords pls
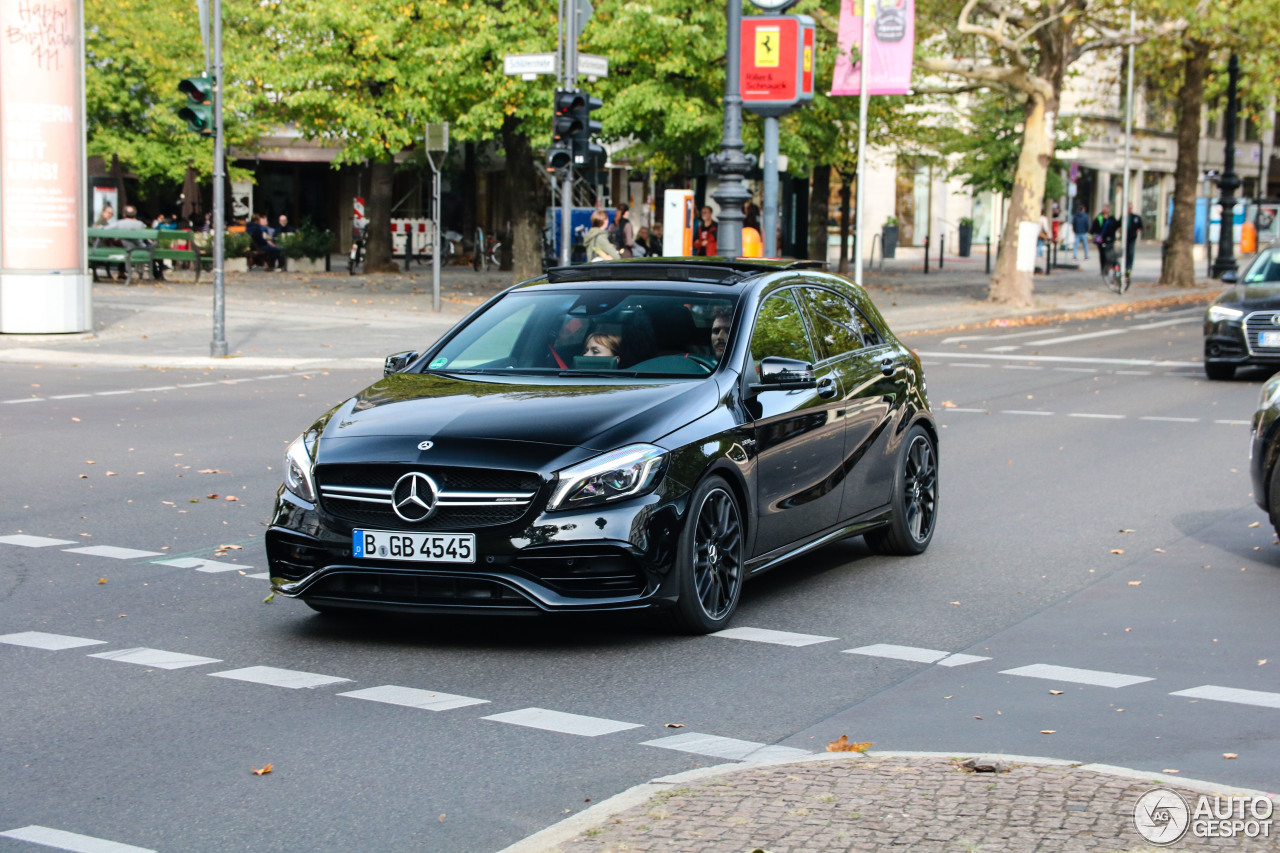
(1219, 372)
(914, 501)
(1273, 497)
(710, 560)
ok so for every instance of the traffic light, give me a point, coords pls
(198, 113)
(586, 154)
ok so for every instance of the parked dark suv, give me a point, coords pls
(1242, 326)
(633, 435)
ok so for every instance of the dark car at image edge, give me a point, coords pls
(503, 470)
(1242, 325)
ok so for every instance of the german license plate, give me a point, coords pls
(417, 547)
(1269, 339)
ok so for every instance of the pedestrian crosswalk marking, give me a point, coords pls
(63, 840)
(765, 635)
(275, 677)
(412, 697)
(157, 658)
(1098, 678)
(201, 565)
(112, 552)
(558, 721)
(49, 642)
(33, 541)
(1232, 694)
(725, 747)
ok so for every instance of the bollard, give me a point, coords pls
(926, 254)
(942, 244)
(988, 271)
(1049, 251)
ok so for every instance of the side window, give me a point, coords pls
(780, 330)
(836, 323)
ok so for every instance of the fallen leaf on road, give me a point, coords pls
(1160, 551)
(232, 547)
(977, 718)
(212, 497)
(212, 471)
(841, 744)
(1048, 731)
(1056, 692)
(955, 602)
(77, 420)
(263, 770)
(168, 503)
(90, 462)
(112, 474)
(1229, 755)
(1168, 771)
(194, 500)
(84, 476)
(1135, 583)
(1117, 550)
(1261, 662)
(674, 726)
(102, 580)
(1256, 524)
(231, 498)
(442, 816)
(1126, 530)
(947, 404)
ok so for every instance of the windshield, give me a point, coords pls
(591, 331)
(1265, 269)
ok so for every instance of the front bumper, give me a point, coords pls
(611, 557)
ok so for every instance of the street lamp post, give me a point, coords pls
(731, 164)
(1229, 182)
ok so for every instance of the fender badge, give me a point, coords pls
(426, 445)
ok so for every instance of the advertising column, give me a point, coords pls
(44, 285)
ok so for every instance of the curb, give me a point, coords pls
(573, 826)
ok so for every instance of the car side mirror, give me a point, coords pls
(1230, 277)
(398, 362)
(784, 374)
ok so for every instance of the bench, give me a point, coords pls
(166, 245)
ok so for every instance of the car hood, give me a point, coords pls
(451, 411)
(1251, 298)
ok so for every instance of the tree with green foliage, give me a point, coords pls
(1023, 47)
(1192, 70)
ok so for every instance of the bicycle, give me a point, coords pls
(486, 252)
(1113, 276)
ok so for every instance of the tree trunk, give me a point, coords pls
(819, 198)
(845, 180)
(1010, 285)
(377, 257)
(524, 200)
(1179, 265)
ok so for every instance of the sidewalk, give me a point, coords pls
(284, 320)
(887, 803)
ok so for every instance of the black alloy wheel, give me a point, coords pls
(914, 501)
(710, 559)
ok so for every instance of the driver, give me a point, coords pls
(721, 323)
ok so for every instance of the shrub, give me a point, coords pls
(310, 241)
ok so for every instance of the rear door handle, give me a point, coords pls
(826, 387)
(888, 366)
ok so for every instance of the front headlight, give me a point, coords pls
(1218, 313)
(297, 470)
(618, 474)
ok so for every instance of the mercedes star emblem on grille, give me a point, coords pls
(414, 497)
(1275, 319)
(426, 445)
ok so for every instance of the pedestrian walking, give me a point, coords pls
(1080, 225)
(1131, 239)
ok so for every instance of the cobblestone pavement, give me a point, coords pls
(870, 803)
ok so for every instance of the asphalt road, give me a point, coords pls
(1061, 446)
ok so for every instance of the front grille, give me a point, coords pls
(586, 575)
(1257, 324)
(468, 497)
(392, 588)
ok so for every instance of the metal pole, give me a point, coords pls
(942, 245)
(566, 216)
(988, 271)
(218, 346)
(859, 206)
(769, 216)
(435, 227)
(1128, 135)
(1229, 182)
(731, 164)
(926, 254)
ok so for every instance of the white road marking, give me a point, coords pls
(270, 675)
(261, 576)
(946, 409)
(1077, 369)
(1062, 359)
(63, 840)
(112, 552)
(69, 396)
(50, 642)
(1233, 423)
(33, 541)
(1169, 420)
(157, 388)
(1084, 336)
(888, 650)
(1232, 694)
(725, 747)
(961, 660)
(196, 384)
(1095, 415)
(1022, 412)
(1133, 373)
(1002, 337)
(412, 697)
(1021, 367)
(200, 565)
(765, 635)
(112, 393)
(156, 657)
(27, 400)
(966, 364)
(1077, 676)
(558, 721)
(1008, 348)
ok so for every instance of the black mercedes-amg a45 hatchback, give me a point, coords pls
(615, 436)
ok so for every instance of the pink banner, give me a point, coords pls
(893, 36)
